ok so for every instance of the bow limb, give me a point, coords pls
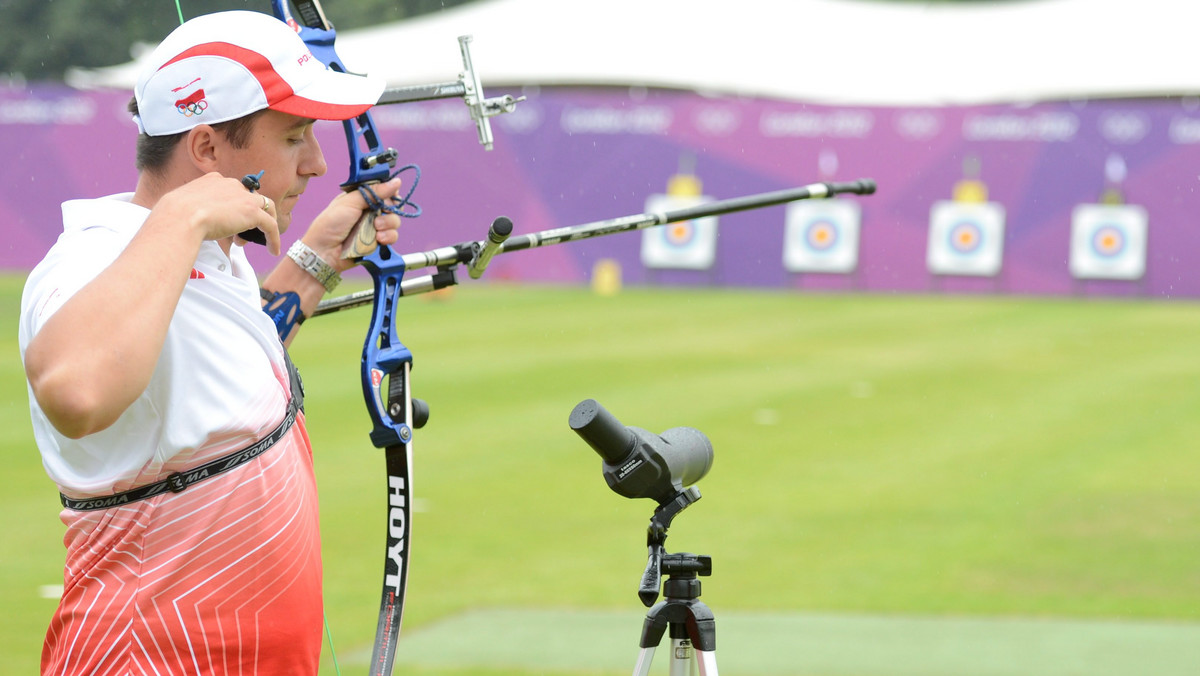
(386, 368)
(370, 160)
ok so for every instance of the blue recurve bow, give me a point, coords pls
(386, 362)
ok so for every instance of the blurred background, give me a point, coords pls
(1012, 156)
(954, 420)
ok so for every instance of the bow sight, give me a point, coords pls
(468, 87)
(374, 164)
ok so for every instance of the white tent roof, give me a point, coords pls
(857, 52)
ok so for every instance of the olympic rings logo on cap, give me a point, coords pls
(190, 109)
(192, 104)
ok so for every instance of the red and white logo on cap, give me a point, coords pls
(193, 103)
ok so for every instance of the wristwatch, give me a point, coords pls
(310, 262)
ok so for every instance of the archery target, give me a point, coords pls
(966, 238)
(679, 235)
(690, 245)
(1108, 241)
(822, 236)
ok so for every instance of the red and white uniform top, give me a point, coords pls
(225, 577)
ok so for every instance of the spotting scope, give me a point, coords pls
(640, 464)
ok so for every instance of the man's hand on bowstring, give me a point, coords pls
(217, 207)
(334, 227)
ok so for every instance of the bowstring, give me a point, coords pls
(395, 207)
(332, 653)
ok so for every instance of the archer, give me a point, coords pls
(163, 402)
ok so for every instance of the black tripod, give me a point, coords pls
(693, 628)
(638, 464)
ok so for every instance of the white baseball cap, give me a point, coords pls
(222, 66)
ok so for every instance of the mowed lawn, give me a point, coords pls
(890, 455)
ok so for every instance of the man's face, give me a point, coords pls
(284, 148)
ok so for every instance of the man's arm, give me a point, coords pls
(96, 354)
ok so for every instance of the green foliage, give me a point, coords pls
(40, 39)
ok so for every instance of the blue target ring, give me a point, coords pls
(821, 235)
(1109, 241)
(965, 238)
(679, 235)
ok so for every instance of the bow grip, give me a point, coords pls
(385, 360)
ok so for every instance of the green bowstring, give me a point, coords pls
(328, 634)
(332, 653)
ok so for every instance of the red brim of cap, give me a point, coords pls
(318, 110)
(333, 96)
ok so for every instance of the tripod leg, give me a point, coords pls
(708, 662)
(645, 657)
(681, 657)
(653, 628)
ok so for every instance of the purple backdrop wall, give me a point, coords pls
(571, 156)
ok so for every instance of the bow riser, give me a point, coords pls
(384, 359)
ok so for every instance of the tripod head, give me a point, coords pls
(658, 561)
(683, 568)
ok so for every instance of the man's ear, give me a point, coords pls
(202, 147)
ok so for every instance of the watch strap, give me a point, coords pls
(313, 264)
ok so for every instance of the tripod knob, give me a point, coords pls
(690, 565)
(681, 587)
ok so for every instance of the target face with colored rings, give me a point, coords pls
(1108, 241)
(687, 245)
(821, 235)
(965, 238)
(679, 234)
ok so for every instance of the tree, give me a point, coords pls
(40, 39)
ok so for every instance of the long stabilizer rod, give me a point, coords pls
(647, 220)
(465, 253)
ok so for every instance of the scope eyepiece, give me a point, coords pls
(602, 431)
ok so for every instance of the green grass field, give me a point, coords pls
(927, 458)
